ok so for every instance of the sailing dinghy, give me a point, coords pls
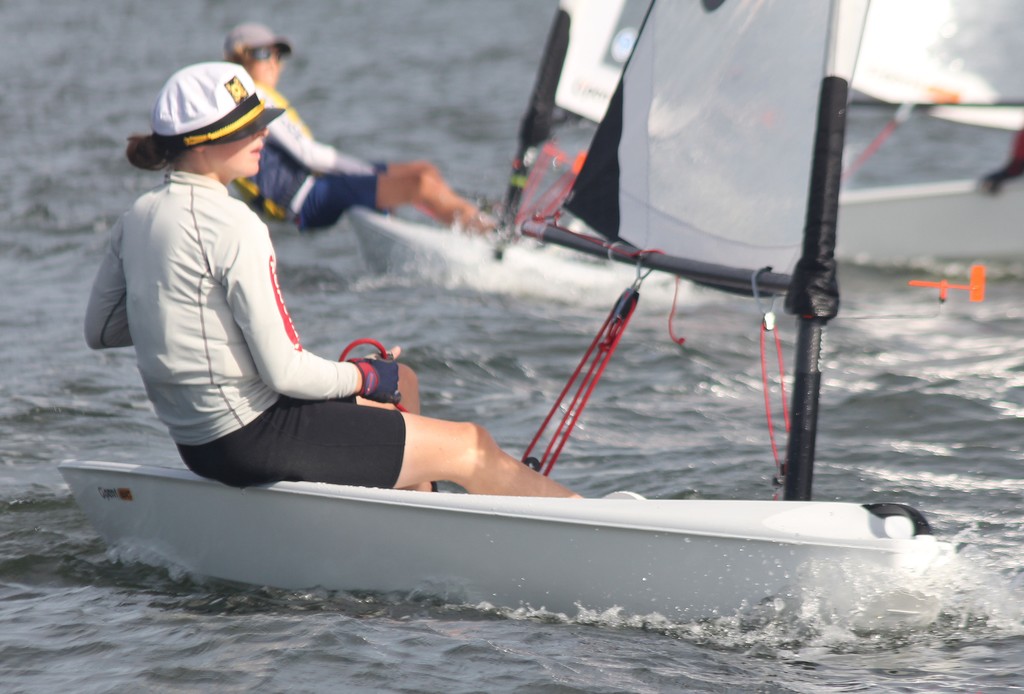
(935, 57)
(912, 55)
(587, 45)
(691, 101)
(950, 220)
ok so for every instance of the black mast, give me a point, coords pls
(539, 117)
(814, 292)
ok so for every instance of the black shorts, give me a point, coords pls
(335, 441)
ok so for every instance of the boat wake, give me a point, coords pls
(830, 610)
(527, 269)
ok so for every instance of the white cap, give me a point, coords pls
(209, 102)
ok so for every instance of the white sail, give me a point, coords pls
(940, 52)
(717, 130)
(601, 38)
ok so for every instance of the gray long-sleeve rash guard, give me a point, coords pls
(189, 279)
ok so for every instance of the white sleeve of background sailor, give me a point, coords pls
(318, 157)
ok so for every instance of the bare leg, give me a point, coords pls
(467, 454)
(409, 387)
(420, 183)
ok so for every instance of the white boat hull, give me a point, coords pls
(894, 224)
(680, 559)
(392, 244)
(948, 220)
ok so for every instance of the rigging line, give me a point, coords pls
(611, 249)
(768, 324)
(755, 290)
(768, 402)
(899, 118)
(672, 314)
(601, 349)
(782, 379)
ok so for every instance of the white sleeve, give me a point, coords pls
(316, 156)
(247, 270)
(106, 316)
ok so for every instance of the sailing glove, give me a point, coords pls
(380, 379)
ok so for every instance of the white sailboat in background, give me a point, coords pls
(588, 43)
(912, 57)
(935, 57)
(674, 155)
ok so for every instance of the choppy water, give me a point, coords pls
(925, 408)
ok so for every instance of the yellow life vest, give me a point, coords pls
(278, 101)
(250, 192)
(248, 189)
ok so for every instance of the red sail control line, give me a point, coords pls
(589, 372)
(768, 326)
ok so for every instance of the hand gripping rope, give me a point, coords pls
(384, 354)
(589, 372)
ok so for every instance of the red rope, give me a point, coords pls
(611, 248)
(569, 419)
(364, 341)
(597, 355)
(900, 117)
(672, 314)
(766, 388)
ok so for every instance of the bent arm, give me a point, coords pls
(106, 315)
(316, 156)
(259, 311)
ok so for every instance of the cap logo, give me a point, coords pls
(237, 90)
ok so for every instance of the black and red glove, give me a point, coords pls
(380, 379)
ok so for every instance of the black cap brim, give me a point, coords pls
(259, 123)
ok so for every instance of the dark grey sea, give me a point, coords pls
(921, 405)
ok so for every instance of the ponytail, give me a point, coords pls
(145, 152)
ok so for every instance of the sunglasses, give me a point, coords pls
(264, 53)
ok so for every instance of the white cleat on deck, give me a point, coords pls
(624, 495)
